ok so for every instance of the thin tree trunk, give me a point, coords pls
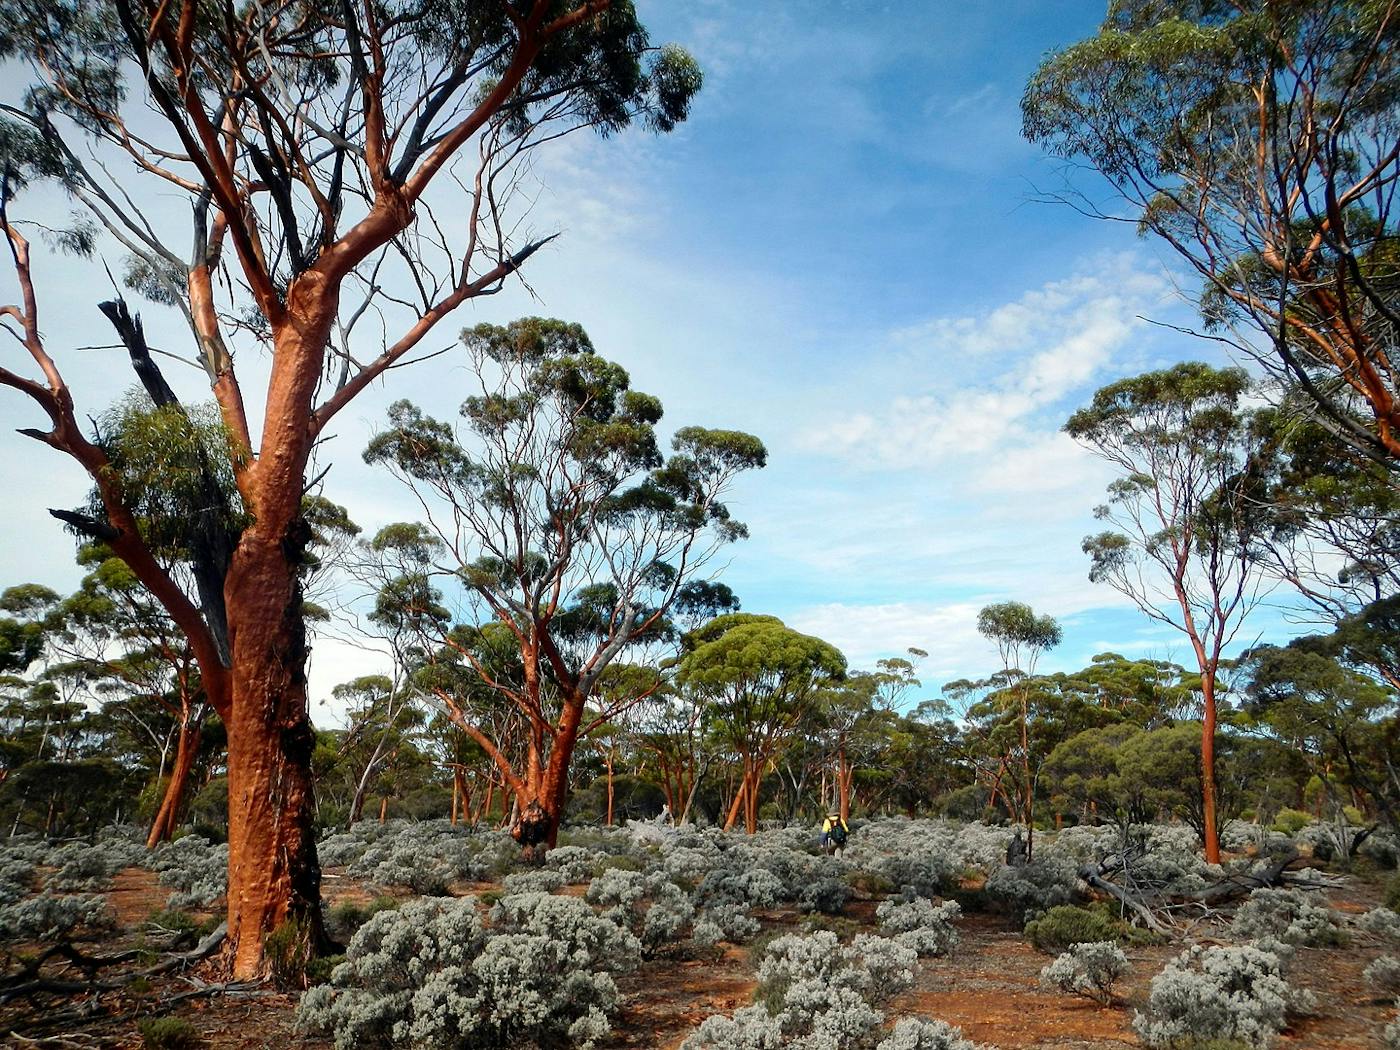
(1210, 831)
(1026, 772)
(186, 749)
(737, 804)
(609, 763)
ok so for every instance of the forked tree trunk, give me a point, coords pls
(168, 816)
(274, 876)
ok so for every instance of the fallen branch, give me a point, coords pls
(1092, 874)
(40, 985)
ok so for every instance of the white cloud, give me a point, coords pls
(986, 376)
(866, 633)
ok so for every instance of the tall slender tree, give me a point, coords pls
(1185, 549)
(1021, 638)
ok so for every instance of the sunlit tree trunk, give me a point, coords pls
(168, 816)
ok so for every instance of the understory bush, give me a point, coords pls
(1222, 993)
(535, 880)
(89, 868)
(196, 869)
(814, 994)
(934, 857)
(917, 923)
(424, 857)
(917, 1033)
(433, 973)
(1066, 925)
(346, 917)
(1292, 916)
(1383, 975)
(46, 917)
(167, 1033)
(724, 921)
(653, 907)
(1026, 891)
(16, 876)
(1090, 969)
(1381, 922)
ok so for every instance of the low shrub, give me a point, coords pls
(168, 1033)
(653, 907)
(537, 880)
(1384, 976)
(434, 974)
(826, 895)
(813, 994)
(1390, 897)
(1065, 925)
(918, 923)
(89, 869)
(46, 917)
(1292, 916)
(725, 921)
(1221, 993)
(1090, 969)
(346, 917)
(1026, 891)
(917, 1033)
(195, 868)
(1381, 922)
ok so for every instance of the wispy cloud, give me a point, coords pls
(985, 376)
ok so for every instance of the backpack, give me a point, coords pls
(838, 834)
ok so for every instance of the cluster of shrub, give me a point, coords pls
(529, 964)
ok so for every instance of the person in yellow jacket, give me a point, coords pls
(834, 832)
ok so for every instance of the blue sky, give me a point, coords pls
(839, 252)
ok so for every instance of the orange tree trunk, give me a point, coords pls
(273, 873)
(1209, 827)
(186, 748)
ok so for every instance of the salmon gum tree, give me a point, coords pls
(573, 538)
(337, 161)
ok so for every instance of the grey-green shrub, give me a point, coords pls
(1222, 993)
(917, 923)
(1384, 976)
(1090, 969)
(918, 1033)
(195, 868)
(651, 906)
(536, 880)
(725, 921)
(1292, 916)
(89, 869)
(46, 917)
(1382, 923)
(814, 994)
(434, 974)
